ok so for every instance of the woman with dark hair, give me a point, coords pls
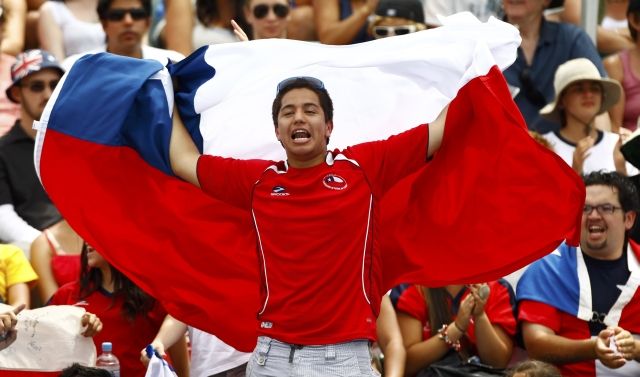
(129, 316)
(581, 94)
(475, 320)
(213, 22)
(267, 18)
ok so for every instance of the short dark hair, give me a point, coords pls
(627, 192)
(325, 101)
(105, 5)
(77, 370)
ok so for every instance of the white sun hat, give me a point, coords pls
(575, 70)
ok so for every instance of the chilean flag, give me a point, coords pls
(561, 280)
(490, 201)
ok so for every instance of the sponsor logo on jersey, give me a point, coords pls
(266, 325)
(334, 182)
(279, 191)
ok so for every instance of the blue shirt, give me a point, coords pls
(558, 43)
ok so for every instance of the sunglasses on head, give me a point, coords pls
(387, 31)
(314, 82)
(261, 10)
(37, 86)
(118, 14)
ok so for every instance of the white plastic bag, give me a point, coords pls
(48, 339)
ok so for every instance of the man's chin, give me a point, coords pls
(596, 246)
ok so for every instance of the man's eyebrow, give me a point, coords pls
(306, 104)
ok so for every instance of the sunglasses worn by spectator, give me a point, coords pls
(260, 11)
(314, 82)
(37, 86)
(118, 14)
(387, 31)
(603, 209)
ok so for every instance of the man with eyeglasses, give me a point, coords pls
(580, 307)
(268, 18)
(25, 208)
(315, 216)
(125, 23)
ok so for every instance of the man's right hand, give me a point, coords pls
(605, 353)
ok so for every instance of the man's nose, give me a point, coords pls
(127, 18)
(594, 213)
(48, 91)
(299, 114)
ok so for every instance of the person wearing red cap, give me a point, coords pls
(25, 208)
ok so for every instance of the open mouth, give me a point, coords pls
(596, 230)
(300, 136)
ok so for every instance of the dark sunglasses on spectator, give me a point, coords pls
(118, 14)
(261, 10)
(37, 86)
(387, 31)
(314, 82)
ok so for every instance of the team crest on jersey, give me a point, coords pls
(279, 191)
(334, 182)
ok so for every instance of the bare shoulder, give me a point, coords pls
(613, 65)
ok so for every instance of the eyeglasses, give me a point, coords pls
(387, 31)
(37, 86)
(118, 14)
(314, 82)
(260, 11)
(530, 90)
(603, 209)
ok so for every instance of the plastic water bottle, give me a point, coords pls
(108, 361)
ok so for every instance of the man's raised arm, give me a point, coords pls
(183, 152)
(436, 131)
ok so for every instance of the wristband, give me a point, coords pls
(442, 335)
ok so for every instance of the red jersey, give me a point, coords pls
(499, 308)
(317, 234)
(128, 337)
